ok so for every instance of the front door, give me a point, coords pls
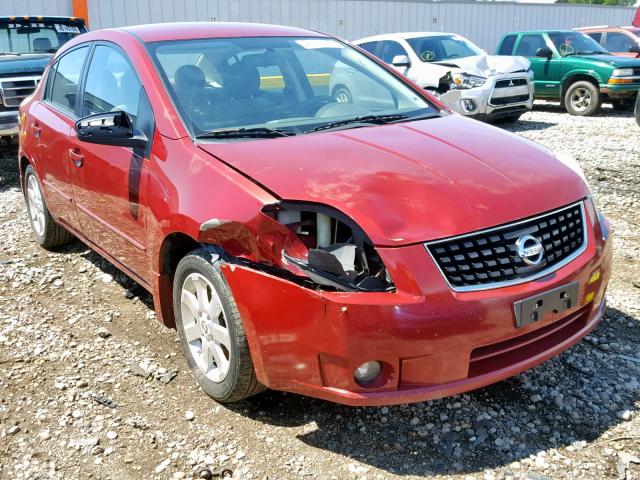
(110, 181)
(547, 71)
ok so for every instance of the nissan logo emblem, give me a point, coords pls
(529, 249)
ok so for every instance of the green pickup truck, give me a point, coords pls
(26, 47)
(572, 67)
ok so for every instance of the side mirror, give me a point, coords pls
(634, 49)
(400, 61)
(111, 128)
(544, 52)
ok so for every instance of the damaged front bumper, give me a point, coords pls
(430, 340)
(501, 96)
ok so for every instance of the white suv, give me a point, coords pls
(465, 78)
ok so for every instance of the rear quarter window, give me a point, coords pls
(506, 47)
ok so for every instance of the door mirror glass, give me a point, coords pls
(111, 128)
(544, 52)
(634, 49)
(401, 61)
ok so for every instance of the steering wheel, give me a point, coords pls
(310, 107)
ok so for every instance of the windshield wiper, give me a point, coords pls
(10, 53)
(366, 119)
(257, 132)
(424, 116)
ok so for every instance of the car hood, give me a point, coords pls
(23, 64)
(413, 181)
(617, 61)
(487, 65)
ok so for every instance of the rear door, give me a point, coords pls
(110, 181)
(51, 126)
(547, 71)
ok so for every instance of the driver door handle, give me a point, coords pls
(76, 156)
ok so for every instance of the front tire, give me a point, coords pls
(46, 231)
(211, 332)
(582, 99)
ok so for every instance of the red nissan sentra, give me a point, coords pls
(376, 251)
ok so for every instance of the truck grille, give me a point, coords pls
(15, 90)
(489, 259)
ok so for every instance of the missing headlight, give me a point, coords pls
(339, 256)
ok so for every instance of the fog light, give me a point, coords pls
(468, 105)
(367, 372)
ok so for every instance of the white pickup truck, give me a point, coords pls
(487, 87)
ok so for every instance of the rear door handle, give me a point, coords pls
(35, 127)
(76, 156)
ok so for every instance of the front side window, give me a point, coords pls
(617, 42)
(597, 36)
(390, 49)
(66, 78)
(530, 44)
(436, 48)
(369, 47)
(36, 37)
(111, 84)
(280, 84)
(575, 43)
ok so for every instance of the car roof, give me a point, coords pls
(404, 35)
(540, 31)
(158, 32)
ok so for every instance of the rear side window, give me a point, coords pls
(595, 35)
(529, 45)
(617, 42)
(369, 47)
(506, 48)
(66, 79)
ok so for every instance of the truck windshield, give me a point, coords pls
(36, 37)
(575, 43)
(443, 47)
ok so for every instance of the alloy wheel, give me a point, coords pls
(205, 327)
(36, 205)
(580, 99)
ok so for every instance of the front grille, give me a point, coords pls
(509, 100)
(489, 258)
(15, 90)
(516, 82)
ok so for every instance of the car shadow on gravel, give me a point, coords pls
(572, 398)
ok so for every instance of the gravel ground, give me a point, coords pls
(87, 386)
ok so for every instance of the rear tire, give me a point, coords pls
(46, 231)
(637, 110)
(211, 332)
(582, 98)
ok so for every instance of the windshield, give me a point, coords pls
(575, 43)
(443, 47)
(36, 37)
(277, 86)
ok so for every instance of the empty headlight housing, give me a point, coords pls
(339, 254)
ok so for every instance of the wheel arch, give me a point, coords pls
(577, 77)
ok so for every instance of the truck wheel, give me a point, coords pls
(46, 231)
(342, 95)
(582, 98)
(637, 109)
(211, 332)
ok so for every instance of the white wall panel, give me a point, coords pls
(484, 23)
(35, 7)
